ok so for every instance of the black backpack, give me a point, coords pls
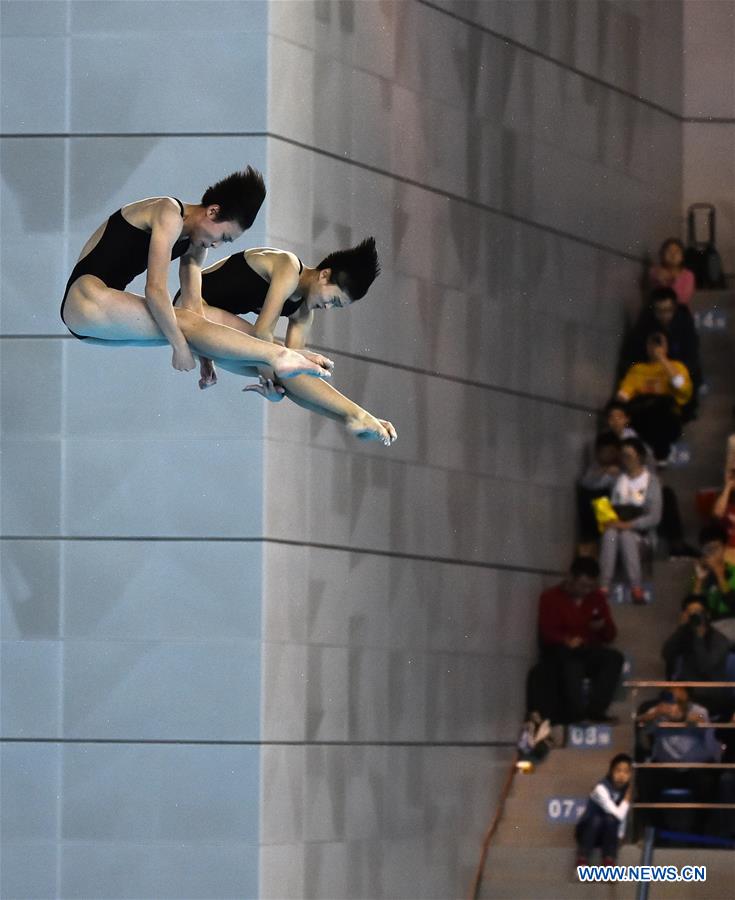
(701, 255)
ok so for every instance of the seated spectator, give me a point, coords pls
(714, 577)
(685, 744)
(670, 528)
(724, 510)
(666, 315)
(670, 271)
(636, 498)
(597, 481)
(575, 624)
(656, 392)
(603, 821)
(698, 652)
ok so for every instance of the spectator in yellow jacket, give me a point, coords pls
(656, 391)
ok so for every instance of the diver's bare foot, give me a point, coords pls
(289, 363)
(368, 428)
(318, 358)
(207, 372)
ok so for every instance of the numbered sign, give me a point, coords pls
(565, 810)
(680, 455)
(711, 320)
(589, 737)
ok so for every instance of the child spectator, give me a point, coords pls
(636, 498)
(603, 821)
(714, 577)
(656, 393)
(670, 271)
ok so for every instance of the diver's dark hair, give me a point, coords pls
(353, 270)
(665, 246)
(239, 197)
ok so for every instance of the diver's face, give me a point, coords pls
(325, 295)
(208, 232)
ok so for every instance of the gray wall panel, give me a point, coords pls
(509, 196)
(465, 292)
(634, 45)
(374, 822)
(568, 153)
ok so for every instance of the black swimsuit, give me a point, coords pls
(237, 288)
(120, 254)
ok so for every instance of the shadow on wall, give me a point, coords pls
(34, 168)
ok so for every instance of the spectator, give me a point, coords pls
(687, 743)
(665, 314)
(670, 271)
(603, 821)
(636, 498)
(724, 510)
(656, 392)
(698, 652)
(670, 528)
(597, 481)
(575, 624)
(714, 577)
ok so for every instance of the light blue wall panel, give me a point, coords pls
(135, 640)
(34, 97)
(30, 785)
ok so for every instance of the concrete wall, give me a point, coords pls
(242, 655)
(131, 502)
(509, 186)
(709, 106)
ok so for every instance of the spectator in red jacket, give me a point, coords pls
(575, 625)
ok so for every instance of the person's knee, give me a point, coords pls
(186, 319)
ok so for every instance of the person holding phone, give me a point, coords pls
(656, 393)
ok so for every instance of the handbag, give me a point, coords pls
(701, 255)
